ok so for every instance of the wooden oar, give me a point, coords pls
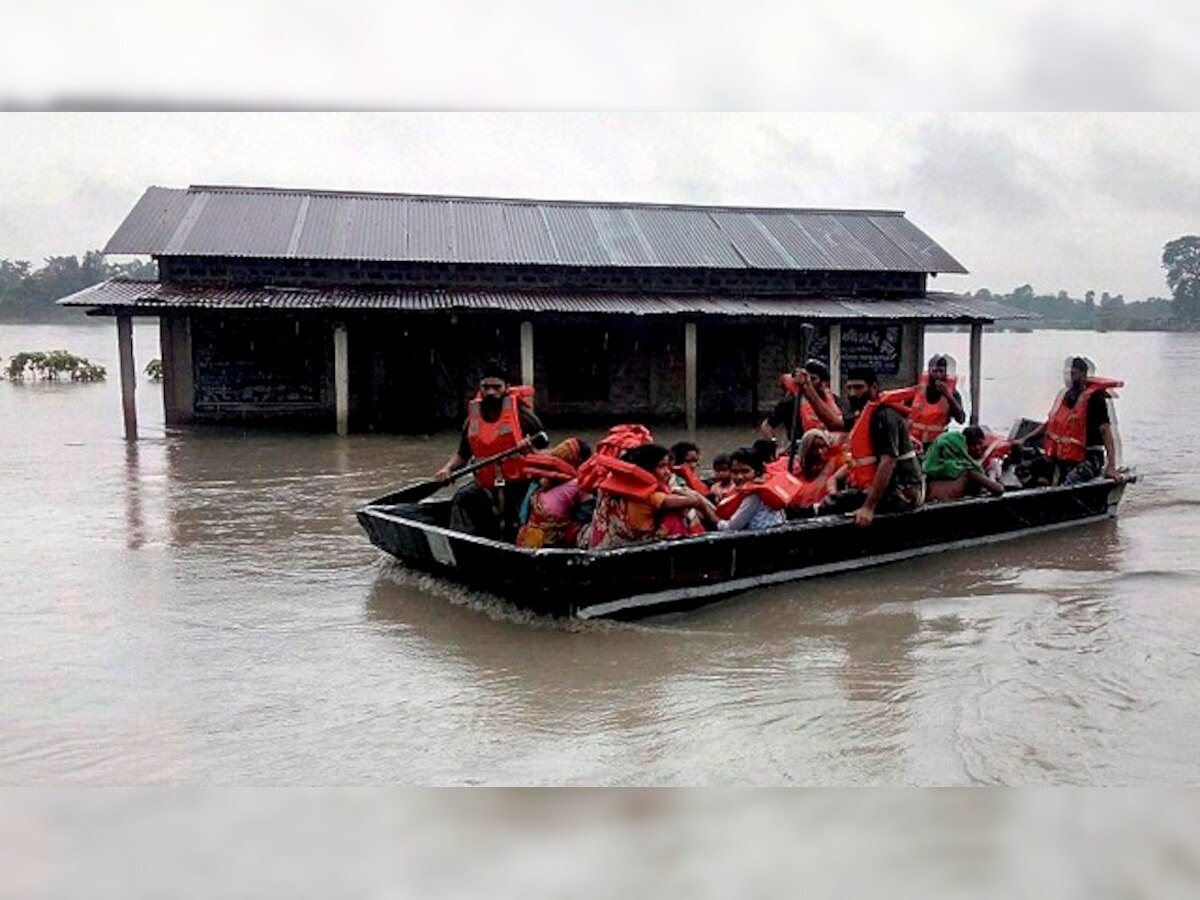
(806, 332)
(418, 491)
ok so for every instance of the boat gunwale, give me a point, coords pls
(794, 525)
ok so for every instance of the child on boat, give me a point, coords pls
(722, 484)
(750, 507)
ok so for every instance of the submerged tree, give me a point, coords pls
(1181, 259)
(53, 365)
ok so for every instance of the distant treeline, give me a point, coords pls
(1109, 312)
(28, 294)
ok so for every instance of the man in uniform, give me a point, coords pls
(498, 419)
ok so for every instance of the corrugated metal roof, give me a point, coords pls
(276, 223)
(149, 297)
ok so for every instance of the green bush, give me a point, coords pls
(52, 365)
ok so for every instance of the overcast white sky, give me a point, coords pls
(1074, 201)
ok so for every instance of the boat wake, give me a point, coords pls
(496, 608)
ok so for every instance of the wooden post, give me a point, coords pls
(128, 375)
(526, 353)
(835, 357)
(341, 378)
(976, 369)
(689, 375)
(919, 344)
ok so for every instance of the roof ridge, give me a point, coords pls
(466, 198)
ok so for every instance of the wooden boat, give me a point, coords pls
(670, 575)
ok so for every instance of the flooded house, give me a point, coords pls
(364, 312)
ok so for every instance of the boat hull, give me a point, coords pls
(670, 575)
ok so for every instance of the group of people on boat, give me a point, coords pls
(873, 451)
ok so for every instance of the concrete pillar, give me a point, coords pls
(175, 345)
(689, 375)
(341, 378)
(976, 370)
(128, 375)
(526, 353)
(919, 343)
(835, 357)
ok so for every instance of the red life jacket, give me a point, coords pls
(490, 438)
(688, 474)
(544, 465)
(776, 491)
(1066, 429)
(863, 461)
(928, 420)
(808, 416)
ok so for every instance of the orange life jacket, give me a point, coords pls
(814, 492)
(544, 465)
(808, 416)
(863, 461)
(1066, 429)
(625, 479)
(997, 446)
(490, 438)
(623, 437)
(688, 474)
(776, 491)
(928, 420)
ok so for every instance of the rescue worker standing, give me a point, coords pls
(936, 402)
(883, 461)
(498, 419)
(816, 374)
(1080, 442)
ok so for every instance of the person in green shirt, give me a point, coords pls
(952, 468)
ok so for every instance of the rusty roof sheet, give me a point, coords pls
(153, 297)
(294, 224)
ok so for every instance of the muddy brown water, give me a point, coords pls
(202, 608)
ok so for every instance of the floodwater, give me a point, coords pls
(201, 608)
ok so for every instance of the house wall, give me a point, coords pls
(319, 273)
(414, 372)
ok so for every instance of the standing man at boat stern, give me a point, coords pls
(883, 461)
(498, 419)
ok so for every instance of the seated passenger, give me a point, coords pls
(685, 457)
(722, 484)
(953, 467)
(755, 504)
(935, 403)
(820, 467)
(634, 502)
(550, 518)
(1080, 440)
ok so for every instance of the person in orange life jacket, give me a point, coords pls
(953, 466)
(934, 407)
(550, 515)
(685, 456)
(1077, 451)
(497, 420)
(635, 503)
(722, 483)
(884, 463)
(816, 373)
(752, 514)
(820, 468)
